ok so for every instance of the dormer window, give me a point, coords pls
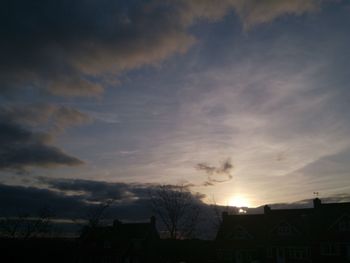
(284, 229)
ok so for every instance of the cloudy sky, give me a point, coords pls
(244, 101)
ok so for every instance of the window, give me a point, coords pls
(298, 252)
(284, 229)
(270, 252)
(330, 249)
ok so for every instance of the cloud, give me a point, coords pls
(337, 198)
(274, 118)
(21, 148)
(26, 135)
(79, 48)
(73, 48)
(98, 190)
(255, 12)
(219, 174)
(251, 12)
(56, 118)
(75, 197)
(15, 200)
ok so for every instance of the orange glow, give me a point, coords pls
(238, 201)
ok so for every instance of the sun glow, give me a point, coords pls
(238, 201)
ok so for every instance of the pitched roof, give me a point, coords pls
(305, 223)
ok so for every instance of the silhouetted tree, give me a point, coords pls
(93, 218)
(26, 225)
(177, 208)
(95, 215)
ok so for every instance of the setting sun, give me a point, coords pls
(238, 201)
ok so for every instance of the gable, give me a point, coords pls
(342, 224)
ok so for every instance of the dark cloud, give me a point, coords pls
(100, 191)
(73, 197)
(27, 133)
(21, 148)
(77, 47)
(219, 174)
(72, 48)
(16, 200)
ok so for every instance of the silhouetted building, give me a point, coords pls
(121, 242)
(187, 251)
(318, 234)
(39, 250)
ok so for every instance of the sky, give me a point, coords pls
(244, 102)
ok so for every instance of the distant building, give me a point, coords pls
(122, 242)
(318, 234)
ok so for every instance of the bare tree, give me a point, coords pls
(93, 218)
(177, 208)
(95, 215)
(26, 226)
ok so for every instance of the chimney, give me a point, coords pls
(267, 209)
(153, 220)
(317, 203)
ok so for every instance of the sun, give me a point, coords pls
(238, 201)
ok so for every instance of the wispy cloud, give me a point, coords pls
(214, 174)
(251, 12)
(255, 12)
(55, 118)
